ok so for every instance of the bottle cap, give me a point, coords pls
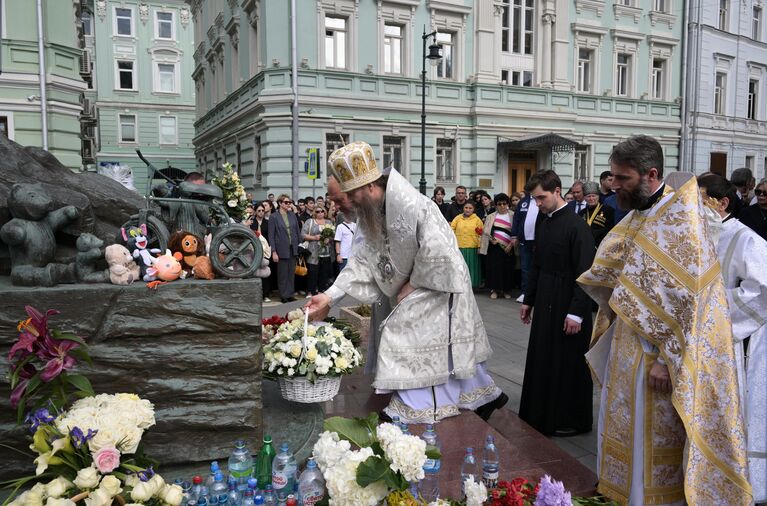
(219, 476)
(490, 439)
(252, 483)
(469, 450)
(197, 480)
(311, 464)
(258, 499)
(232, 480)
(239, 443)
(284, 447)
(214, 466)
(267, 438)
(430, 428)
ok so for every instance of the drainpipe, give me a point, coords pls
(294, 84)
(685, 49)
(42, 74)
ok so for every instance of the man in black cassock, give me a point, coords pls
(557, 389)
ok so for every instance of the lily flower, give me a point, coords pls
(59, 359)
(26, 374)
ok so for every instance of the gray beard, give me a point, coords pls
(372, 221)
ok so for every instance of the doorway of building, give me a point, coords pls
(522, 165)
(718, 164)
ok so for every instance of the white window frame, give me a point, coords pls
(750, 163)
(752, 101)
(134, 72)
(132, 21)
(346, 45)
(120, 138)
(515, 18)
(585, 70)
(89, 24)
(723, 15)
(391, 52)
(387, 151)
(439, 156)
(448, 48)
(581, 158)
(8, 115)
(720, 94)
(624, 75)
(175, 130)
(756, 22)
(333, 141)
(656, 81)
(157, 24)
(661, 5)
(156, 71)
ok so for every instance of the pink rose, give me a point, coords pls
(107, 459)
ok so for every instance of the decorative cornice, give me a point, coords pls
(597, 6)
(662, 17)
(627, 11)
(449, 6)
(626, 34)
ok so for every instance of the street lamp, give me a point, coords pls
(434, 55)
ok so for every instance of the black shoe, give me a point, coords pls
(290, 299)
(384, 417)
(284, 301)
(566, 432)
(486, 410)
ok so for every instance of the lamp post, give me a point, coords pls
(434, 55)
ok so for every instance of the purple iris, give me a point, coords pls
(146, 474)
(79, 438)
(39, 417)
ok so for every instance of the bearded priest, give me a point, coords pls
(432, 345)
(670, 426)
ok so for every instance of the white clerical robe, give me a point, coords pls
(743, 256)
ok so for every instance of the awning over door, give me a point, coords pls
(550, 140)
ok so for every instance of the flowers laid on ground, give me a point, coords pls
(324, 351)
(382, 464)
(548, 492)
(235, 199)
(40, 363)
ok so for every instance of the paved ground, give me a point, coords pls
(508, 337)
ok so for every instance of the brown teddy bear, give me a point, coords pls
(190, 247)
(122, 269)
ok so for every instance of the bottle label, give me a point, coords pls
(490, 479)
(432, 465)
(312, 498)
(240, 474)
(279, 480)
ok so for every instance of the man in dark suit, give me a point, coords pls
(578, 203)
(284, 236)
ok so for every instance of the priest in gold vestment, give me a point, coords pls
(670, 426)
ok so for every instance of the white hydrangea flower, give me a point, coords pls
(341, 481)
(407, 453)
(329, 450)
(476, 493)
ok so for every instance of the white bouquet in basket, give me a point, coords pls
(317, 350)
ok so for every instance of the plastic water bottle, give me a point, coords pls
(311, 485)
(263, 471)
(247, 499)
(196, 487)
(202, 501)
(213, 501)
(258, 500)
(240, 464)
(269, 499)
(490, 464)
(204, 494)
(186, 490)
(429, 486)
(405, 429)
(468, 468)
(253, 485)
(284, 472)
(234, 496)
(212, 476)
(219, 488)
(395, 421)
(223, 500)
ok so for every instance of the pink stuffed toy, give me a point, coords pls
(164, 268)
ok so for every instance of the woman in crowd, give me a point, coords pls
(267, 209)
(755, 215)
(487, 205)
(319, 261)
(496, 244)
(467, 228)
(284, 237)
(515, 198)
(439, 199)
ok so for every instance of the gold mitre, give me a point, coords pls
(354, 166)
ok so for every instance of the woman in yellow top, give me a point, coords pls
(468, 229)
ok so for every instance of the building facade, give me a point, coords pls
(523, 85)
(726, 89)
(30, 115)
(137, 60)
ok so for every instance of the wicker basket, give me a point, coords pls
(303, 390)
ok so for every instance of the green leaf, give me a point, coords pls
(68, 336)
(432, 452)
(373, 469)
(351, 430)
(376, 447)
(80, 382)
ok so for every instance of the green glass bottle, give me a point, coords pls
(264, 463)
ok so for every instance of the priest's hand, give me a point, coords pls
(660, 379)
(525, 314)
(275, 258)
(318, 307)
(406, 290)
(571, 327)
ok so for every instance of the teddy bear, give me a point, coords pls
(122, 269)
(88, 254)
(30, 237)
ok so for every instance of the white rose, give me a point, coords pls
(87, 478)
(232, 203)
(172, 494)
(111, 485)
(98, 497)
(141, 492)
(157, 483)
(59, 502)
(132, 480)
(291, 371)
(33, 498)
(57, 487)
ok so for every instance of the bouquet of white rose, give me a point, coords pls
(235, 199)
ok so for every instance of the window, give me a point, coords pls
(238, 159)
(622, 70)
(750, 163)
(527, 78)
(164, 25)
(517, 25)
(334, 141)
(753, 98)
(86, 19)
(392, 49)
(661, 5)
(258, 173)
(515, 75)
(166, 78)
(584, 69)
(627, 3)
(756, 24)
(168, 131)
(504, 77)
(720, 89)
(127, 127)
(445, 65)
(723, 15)
(392, 152)
(658, 77)
(444, 160)
(581, 171)
(125, 75)
(4, 126)
(123, 22)
(335, 43)
(718, 164)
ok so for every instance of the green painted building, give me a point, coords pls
(137, 59)
(31, 115)
(523, 85)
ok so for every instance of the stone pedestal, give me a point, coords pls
(191, 347)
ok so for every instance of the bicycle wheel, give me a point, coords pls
(156, 232)
(235, 251)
